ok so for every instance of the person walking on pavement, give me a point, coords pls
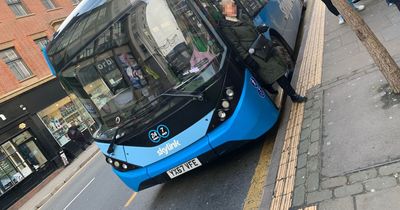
(77, 136)
(395, 2)
(241, 33)
(333, 10)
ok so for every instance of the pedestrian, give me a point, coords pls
(77, 137)
(333, 10)
(395, 2)
(241, 33)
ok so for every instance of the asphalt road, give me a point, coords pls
(222, 184)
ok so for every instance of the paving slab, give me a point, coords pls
(382, 200)
(337, 204)
(344, 53)
(361, 123)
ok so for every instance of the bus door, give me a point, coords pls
(275, 13)
(292, 10)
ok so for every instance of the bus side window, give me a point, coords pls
(252, 7)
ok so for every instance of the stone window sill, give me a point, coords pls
(55, 9)
(27, 79)
(25, 16)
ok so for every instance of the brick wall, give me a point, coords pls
(20, 32)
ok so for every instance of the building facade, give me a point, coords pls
(35, 112)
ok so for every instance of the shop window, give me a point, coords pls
(17, 7)
(15, 63)
(13, 167)
(63, 114)
(16, 159)
(29, 150)
(49, 4)
(42, 42)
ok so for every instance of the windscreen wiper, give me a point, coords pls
(176, 93)
(196, 96)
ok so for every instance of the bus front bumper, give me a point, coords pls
(254, 115)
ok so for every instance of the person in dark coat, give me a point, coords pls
(241, 33)
(77, 136)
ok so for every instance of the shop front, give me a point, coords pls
(27, 157)
(62, 115)
(19, 158)
(33, 131)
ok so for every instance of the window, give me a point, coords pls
(253, 6)
(48, 4)
(42, 42)
(61, 115)
(29, 151)
(15, 63)
(13, 167)
(17, 7)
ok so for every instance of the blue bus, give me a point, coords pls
(161, 82)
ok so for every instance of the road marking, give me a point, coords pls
(130, 199)
(65, 184)
(87, 185)
(254, 195)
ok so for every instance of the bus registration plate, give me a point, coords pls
(181, 169)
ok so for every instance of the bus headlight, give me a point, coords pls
(120, 165)
(221, 115)
(124, 166)
(229, 92)
(225, 104)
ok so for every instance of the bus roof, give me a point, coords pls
(86, 21)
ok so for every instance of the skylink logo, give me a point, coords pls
(169, 147)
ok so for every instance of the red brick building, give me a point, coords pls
(35, 112)
(19, 30)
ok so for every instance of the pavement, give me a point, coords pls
(44, 191)
(348, 145)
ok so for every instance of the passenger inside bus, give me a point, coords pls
(238, 28)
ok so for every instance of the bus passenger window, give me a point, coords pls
(252, 7)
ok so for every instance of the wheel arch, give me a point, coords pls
(276, 34)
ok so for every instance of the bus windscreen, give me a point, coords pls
(122, 73)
